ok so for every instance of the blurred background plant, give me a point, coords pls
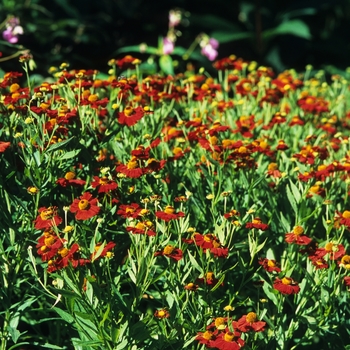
(89, 33)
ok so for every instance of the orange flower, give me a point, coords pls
(47, 218)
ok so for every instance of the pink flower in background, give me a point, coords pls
(174, 18)
(168, 46)
(13, 29)
(209, 49)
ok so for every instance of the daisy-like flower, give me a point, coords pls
(334, 251)
(169, 213)
(104, 184)
(170, 252)
(269, 265)
(228, 341)
(69, 179)
(257, 223)
(211, 242)
(85, 207)
(47, 218)
(65, 257)
(248, 323)
(162, 313)
(48, 245)
(207, 338)
(129, 210)
(130, 116)
(297, 237)
(286, 286)
(131, 169)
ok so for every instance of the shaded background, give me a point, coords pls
(87, 33)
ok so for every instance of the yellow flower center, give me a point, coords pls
(329, 246)
(161, 313)
(104, 180)
(271, 263)
(70, 175)
(345, 261)
(298, 230)
(169, 210)
(207, 335)
(346, 214)
(251, 317)
(128, 111)
(49, 241)
(83, 204)
(287, 281)
(47, 214)
(168, 249)
(130, 210)
(63, 252)
(229, 336)
(272, 167)
(220, 323)
(132, 164)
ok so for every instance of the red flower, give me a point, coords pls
(48, 217)
(169, 214)
(335, 252)
(347, 281)
(85, 207)
(228, 341)
(130, 116)
(69, 179)
(257, 223)
(269, 265)
(49, 244)
(209, 241)
(248, 323)
(207, 338)
(65, 257)
(343, 218)
(104, 184)
(297, 236)
(4, 145)
(131, 169)
(129, 210)
(170, 252)
(286, 285)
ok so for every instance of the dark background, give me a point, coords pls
(85, 33)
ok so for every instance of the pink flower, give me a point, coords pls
(168, 46)
(209, 49)
(13, 29)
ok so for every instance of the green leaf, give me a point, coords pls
(136, 48)
(70, 154)
(294, 27)
(226, 37)
(292, 200)
(166, 64)
(64, 315)
(59, 145)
